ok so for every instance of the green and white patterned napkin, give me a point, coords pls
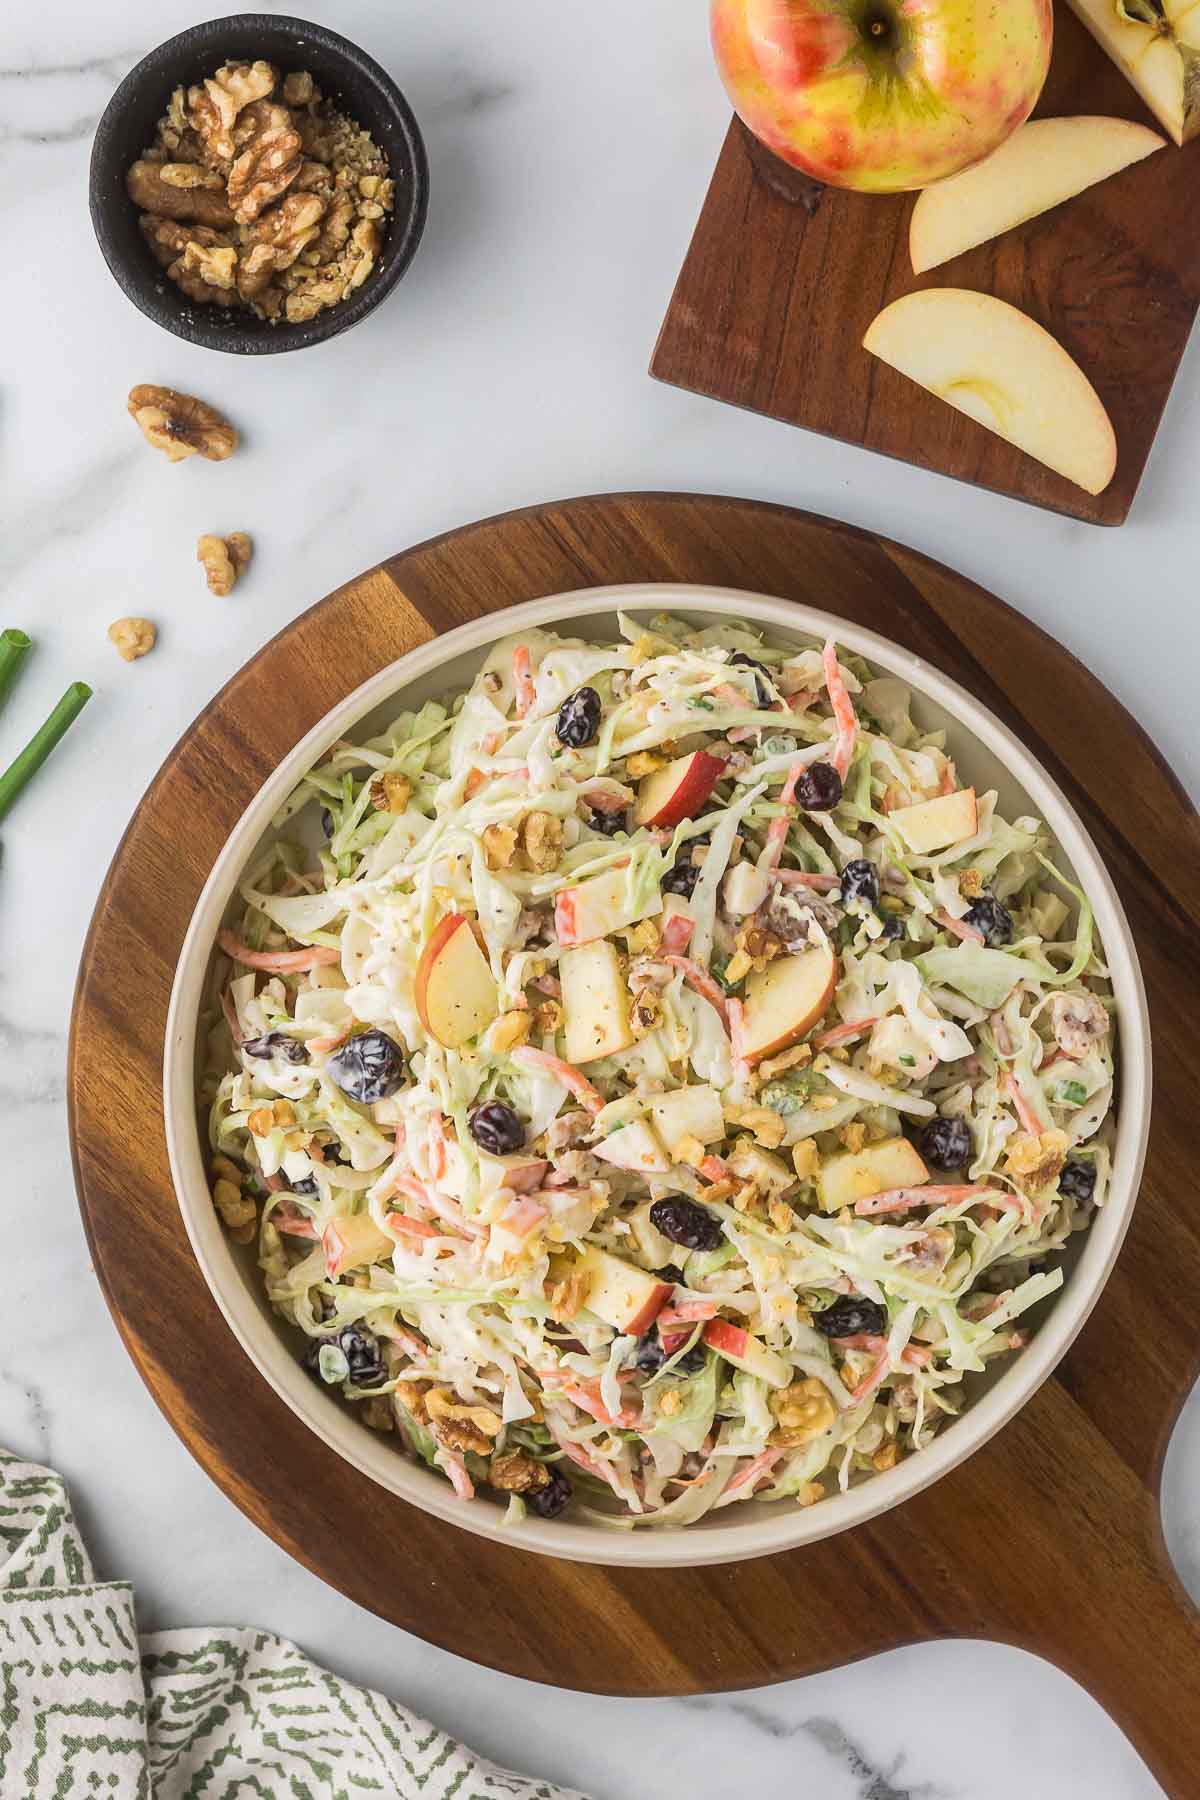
(86, 1710)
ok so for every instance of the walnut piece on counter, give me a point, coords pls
(299, 192)
(224, 559)
(180, 425)
(132, 637)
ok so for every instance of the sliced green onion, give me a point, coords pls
(27, 763)
(14, 648)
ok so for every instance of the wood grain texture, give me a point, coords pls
(783, 278)
(1048, 1538)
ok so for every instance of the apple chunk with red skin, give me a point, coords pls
(749, 1353)
(786, 999)
(678, 791)
(455, 990)
(625, 1297)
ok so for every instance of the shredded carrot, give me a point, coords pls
(713, 1169)
(704, 983)
(409, 1227)
(456, 1469)
(231, 1019)
(844, 714)
(677, 933)
(901, 1199)
(841, 1034)
(1025, 1112)
(958, 928)
(283, 962)
(750, 1476)
(540, 1062)
(288, 1217)
(523, 680)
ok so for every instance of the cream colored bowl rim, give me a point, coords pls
(767, 1529)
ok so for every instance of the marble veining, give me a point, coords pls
(570, 148)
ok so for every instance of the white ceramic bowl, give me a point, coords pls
(988, 755)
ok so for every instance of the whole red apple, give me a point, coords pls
(883, 95)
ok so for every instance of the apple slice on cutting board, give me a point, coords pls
(997, 365)
(1042, 164)
(1156, 44)
(785, 1000)
(454, 988)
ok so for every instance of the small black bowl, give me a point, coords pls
(345, 75)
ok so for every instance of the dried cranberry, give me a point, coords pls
(650, 1356)
(819, 788)
(893, 927)
(368, 1068)
(692, 1361)
(547, 1502)
(327, 825)
(608, 824)
(762, 682)
(685, 1223)
(361, 1349)
(852, 1315)
(306, 1185)
(496, 1128)
(993, 920)
(946, 1143)
(364, 1355)
(670, 1273)
(860, 881)
(681, 877)
(1078, 1179)
(277, 1043)
(578, 718)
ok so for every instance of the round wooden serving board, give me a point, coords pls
(1048, 1538)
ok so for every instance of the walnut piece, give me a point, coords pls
(301, 190)
(288, 228)
(804, 1410)
(299, 88)
(213, 107)
(512, 1472)
(542, 841)
(214, 265)
(391, 792)
(132, 637)
(499, 846)
(189, 175)
(263, 171)
(151, 194)
(180, 425)
(224, 559)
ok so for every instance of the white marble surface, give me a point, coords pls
(570, 148)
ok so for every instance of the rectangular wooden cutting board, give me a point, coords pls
(784, 276)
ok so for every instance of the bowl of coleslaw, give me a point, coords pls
(657, 1076)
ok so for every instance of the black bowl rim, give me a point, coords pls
(405, 235)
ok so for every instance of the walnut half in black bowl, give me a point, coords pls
(258, 184)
